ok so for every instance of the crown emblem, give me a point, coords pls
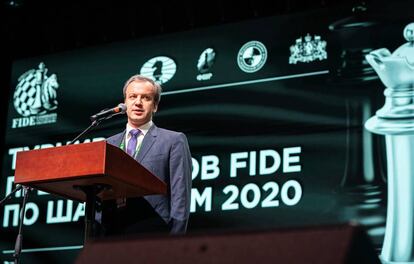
(307, 50)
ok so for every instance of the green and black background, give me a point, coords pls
(319, 106)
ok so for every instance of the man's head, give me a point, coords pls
(141, 95)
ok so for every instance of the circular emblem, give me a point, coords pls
(161, 69)
(252, 56)
(35, 92)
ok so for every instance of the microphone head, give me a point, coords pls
(123, 108)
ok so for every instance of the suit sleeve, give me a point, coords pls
(180, 184)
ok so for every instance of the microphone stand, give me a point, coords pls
(17, 188)
(19, 239)
(93, 124)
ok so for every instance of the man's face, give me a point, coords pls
(139, 99)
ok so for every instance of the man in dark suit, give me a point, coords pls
(163, 152)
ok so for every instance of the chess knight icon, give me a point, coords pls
(395, 120)
(36, 92)
(308, 50)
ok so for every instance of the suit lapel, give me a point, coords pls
(117, 139)
(147, 143)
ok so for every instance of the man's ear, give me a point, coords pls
(155, 108)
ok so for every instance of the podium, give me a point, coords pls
(84, 172)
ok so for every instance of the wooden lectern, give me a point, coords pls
(84, 172)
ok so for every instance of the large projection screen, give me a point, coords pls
(273, 110)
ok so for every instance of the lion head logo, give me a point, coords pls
(36, 92)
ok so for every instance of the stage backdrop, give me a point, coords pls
(273, 110)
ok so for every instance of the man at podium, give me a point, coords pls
(163, 152)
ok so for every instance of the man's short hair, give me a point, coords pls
(140, 78)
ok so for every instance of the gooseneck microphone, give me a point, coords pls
(99, 117)
(108, 113)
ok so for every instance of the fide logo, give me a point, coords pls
(35, 98)
(252, 56)
(161, 69)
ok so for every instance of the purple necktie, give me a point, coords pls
(132, 143)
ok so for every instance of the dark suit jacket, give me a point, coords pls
(166, 154)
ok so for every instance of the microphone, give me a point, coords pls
(108, 113)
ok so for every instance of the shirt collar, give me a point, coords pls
(144, 128)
